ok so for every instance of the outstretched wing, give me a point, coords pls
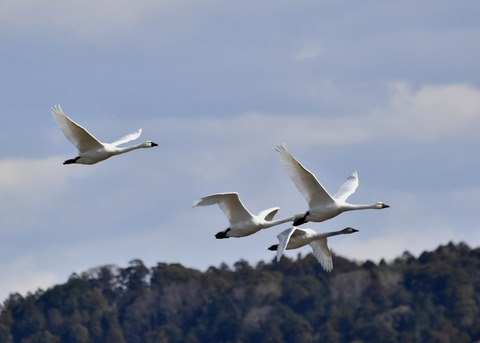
(305, 181)
(348, 187)
(229, 203)
(128, 138)
(76, 134)
(269, 214)
(322, 253)
(283, 238)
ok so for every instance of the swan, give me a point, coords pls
(322, 205)
(242, 222)
(90, 150)
(295, 238)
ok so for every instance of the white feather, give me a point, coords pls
(90, 149)
(322, 205)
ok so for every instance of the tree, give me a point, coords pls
(429, 299)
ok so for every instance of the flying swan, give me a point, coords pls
(322, 205)
(295, 238)
(242, 222)
(90, 150)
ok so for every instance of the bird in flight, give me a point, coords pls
(91, 150)
(322, 205)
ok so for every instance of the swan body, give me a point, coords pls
(295, 238)
(91, 150)
(242, 222)
(322, 205)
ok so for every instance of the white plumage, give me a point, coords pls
(295, 238)
(322, 205)
(91, 150)
(242, 222)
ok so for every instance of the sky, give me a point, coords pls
(391, 90)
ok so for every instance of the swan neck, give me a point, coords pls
(130, 148)
(278, 221)
(328, 234)
(360, 207)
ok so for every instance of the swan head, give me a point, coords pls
(381, 205)
(150, 144)
(349, 230)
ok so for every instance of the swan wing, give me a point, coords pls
(348, 187)
(283, 238)
(128, 138)
(305, 181)
(269, 213)
(76, 134)
(229, 203)
(322, 253)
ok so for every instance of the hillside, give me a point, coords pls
(432, 298)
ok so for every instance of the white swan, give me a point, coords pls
(322, 205)
(295, 238)
(242, 222)
(90, 150)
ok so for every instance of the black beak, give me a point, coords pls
(354, 230)
(154, 144)
(385, 206)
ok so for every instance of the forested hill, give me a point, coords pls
(433, 298)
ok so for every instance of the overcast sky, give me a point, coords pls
(391, 90)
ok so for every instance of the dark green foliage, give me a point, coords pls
(434, 298)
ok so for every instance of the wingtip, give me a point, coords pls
(56, 109)
(281, 147)
(279, 255)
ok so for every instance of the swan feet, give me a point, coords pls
(222, 234)
(301, 220)
(273, 247)
(71, 161)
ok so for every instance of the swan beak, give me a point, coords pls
(354, 230)
(385, 206)
(154, 144)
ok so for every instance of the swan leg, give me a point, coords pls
(71, 161)
(222, 234)
(302, 220)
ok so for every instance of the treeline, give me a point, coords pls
(433, 298)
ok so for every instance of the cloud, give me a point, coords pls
(87, 18)
(28, 186)
(29, 279)
(433, 112)
(215, 148)
(310, 52)
(430, 113)
(416, 222)
(34, 177)
(391, 242)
